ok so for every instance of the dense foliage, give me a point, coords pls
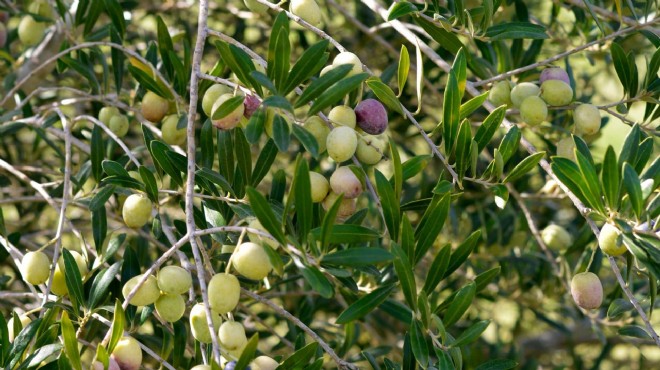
(329, 184)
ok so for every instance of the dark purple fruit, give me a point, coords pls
(554, 73)
(371, 116)
(251, 104)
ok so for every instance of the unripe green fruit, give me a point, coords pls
(500, 94)
(106, 113)
(342, 115)
(199, 326)
(224, 290)
(370, 149)
(147, 294)
(227, 248)
(30, 32)
(211, 96)
(35, 267)
(136, 210)
(317, 127)
(174, 280)
(566, 148)
(232, 119)
(556, 92)
(128, 354)
(201, 367)
(319, 185)
(522, 91)
(171, 134)
(308, 10)
(533, 110)
(170, 307)
(119, 125)
(587, 119)
(256, 6)
(344, 181)
(587, 290)
(255, 224)
(556, 237)
(25, 321)
(58, 286)
(232, 335)
(348, 58)
(251, 261)
(42, 8)
(341, 143)
(325, 70)
(264, 363)
(346, 208)
(154, 107)
(608, 241)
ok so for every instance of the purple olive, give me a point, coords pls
(371, 116)
(554, 73)
(251, 104)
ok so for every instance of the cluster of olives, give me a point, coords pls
(218, 94)
(35, 268)
(307, 10)
(533, 102)
(586, 288)
(31, 30)
(164, 291)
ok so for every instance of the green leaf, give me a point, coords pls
(450, 112)
(277, 101)
(99, 199)
(255, 126)
(404, 67)
(243, 155)
(471, 105)
(101, 285)
(404, 271)
(509, 144)
(117, 328)
(620, 61)
(418, 343)
(446, 39)
(239, 63)
(328, 223)
(73, 280)
(634, 331)
(364, 305)
(398, 170)
(488, 128)
(336, 92)
(149, 83)
(472, 333)
(248, 353)
(300, 358)
(482, 280)
(302, 190)
(70, 341)
(264, 213)
(346, 233)
(321, 84)
(524, 167)
(611, 178)
(96, 155)
(463, 148)
(307, 140)
(634, 189)
(21, 342)
(264, 162)
(400, 9)
(498, 364)
(159, 152)
(390, 205)
(281, 133)
(618, 307)
(569, 174)
(593, 189)
(437, 269)
(150, 184)
(462, 252)
(460, 68)
(415, 165)
(630, 146)
(113, 168)
(317, 280)
(227, 107)
(431, 224)
(306, 66)
(384, 94)
(459, 304)
(279, 51)
(357, 256)
(516, 30)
